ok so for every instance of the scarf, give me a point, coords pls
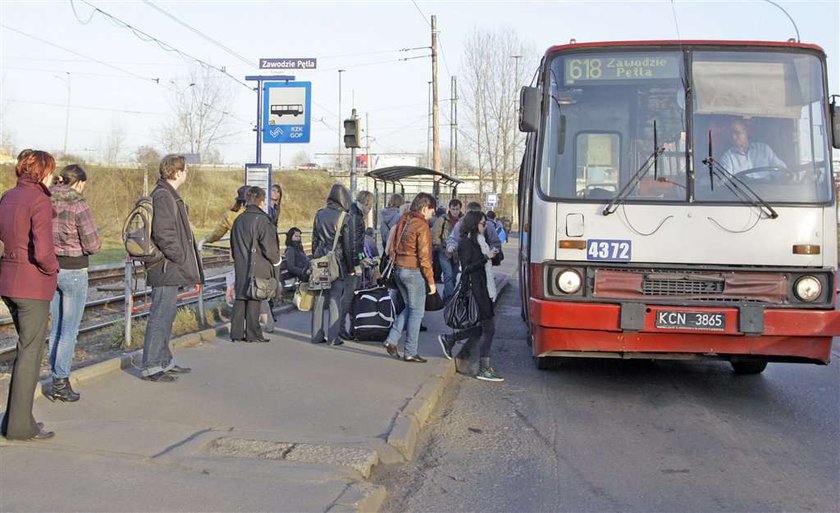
(488, 267)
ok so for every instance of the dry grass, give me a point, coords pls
(208, 193)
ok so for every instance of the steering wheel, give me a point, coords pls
(766, 174)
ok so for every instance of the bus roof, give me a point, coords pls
(693, 42)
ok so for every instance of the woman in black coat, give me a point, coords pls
(474, 255)
(295, 259)
(253, 245)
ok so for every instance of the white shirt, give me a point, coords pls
(757, 155)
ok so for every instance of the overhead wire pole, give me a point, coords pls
(453, 128)
(435, 110)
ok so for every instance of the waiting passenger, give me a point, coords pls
(28, 272)
(295, 259)
(389, 216)
(75, 239)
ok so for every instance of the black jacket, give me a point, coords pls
(472, 265)
(171, 233)
(324, 229)
(253, 227)
(357, 218)
(296, 262)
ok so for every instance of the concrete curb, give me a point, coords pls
(126, 360)
(414, 415)
(359, 497)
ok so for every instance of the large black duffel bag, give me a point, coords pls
(372, 314)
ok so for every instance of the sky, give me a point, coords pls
(118, 81)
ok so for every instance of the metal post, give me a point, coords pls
(340, 120)
(129, 302)
(435, 112)
(353, 159)
(202, 314)
(259, 122)
(67, 116)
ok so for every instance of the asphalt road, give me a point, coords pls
(605, 435)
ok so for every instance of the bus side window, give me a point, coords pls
(597, 164)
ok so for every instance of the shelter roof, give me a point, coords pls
(398, 173)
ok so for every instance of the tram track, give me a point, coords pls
(103, 312)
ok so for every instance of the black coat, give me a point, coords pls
(253, 228)
(357, 218)
(472, 265)
(296, 261)
(324, 229)
(171, 233)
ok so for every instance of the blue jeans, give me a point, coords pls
(448, 269)
(66, 309)
(326, 320)
(412, 287)
(157, 357)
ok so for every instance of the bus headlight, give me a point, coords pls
(568, 281)
(807, 288)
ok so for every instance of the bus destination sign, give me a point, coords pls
(600, 68)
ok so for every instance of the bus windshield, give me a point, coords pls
(761, 117)
(617, 121)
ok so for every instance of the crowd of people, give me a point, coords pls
(47, 235)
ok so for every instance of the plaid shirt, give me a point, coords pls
(74, 233)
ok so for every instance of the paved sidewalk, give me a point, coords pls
(282, 426)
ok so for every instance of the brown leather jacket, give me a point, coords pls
(414, 248)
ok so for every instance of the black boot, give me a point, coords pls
(62, 391)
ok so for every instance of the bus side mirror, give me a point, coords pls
(835, 122)
(529, 109)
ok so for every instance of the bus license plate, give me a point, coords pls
(706, 321)
(608, 249)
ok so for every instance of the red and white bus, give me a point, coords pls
(677, 202)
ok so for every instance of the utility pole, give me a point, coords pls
(338, 162)
(367, 139)
(67, 116)
(453, 128)
(435, 112)
(353, 161)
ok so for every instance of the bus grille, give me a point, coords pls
(681, 287)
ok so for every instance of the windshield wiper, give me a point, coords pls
(735, 185)
(637, 176)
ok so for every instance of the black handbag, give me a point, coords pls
(434, 302)
(461, 310)
(260, 289)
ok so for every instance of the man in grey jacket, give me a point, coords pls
(491, 236)
(179, 267)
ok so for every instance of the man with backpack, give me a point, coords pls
(178, 265)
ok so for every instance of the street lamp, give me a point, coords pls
(340, 125)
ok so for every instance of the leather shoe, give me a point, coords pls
(392, 349)
(261, 339)
(423, 328)
(43, 434)
(415, 359)
(161, 377)
(177, 369)
(322, 341)
(336, 342)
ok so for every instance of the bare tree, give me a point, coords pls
(301, 158)
(493, 78)
(113, 143)
(200, 112)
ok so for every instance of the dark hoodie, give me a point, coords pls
(324, 229)
(295, 259)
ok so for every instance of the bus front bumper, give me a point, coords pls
(630, 330)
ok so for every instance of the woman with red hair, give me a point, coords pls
(28, 272)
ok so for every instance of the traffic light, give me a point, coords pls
(352, 136)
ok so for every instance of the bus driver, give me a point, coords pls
(744, 155)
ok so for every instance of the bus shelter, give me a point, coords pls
(408, 181)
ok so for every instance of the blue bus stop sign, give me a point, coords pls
(286, 112)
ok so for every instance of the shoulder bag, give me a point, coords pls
(260, 289)
(461, 310)
(325, 270)
(388, 276)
